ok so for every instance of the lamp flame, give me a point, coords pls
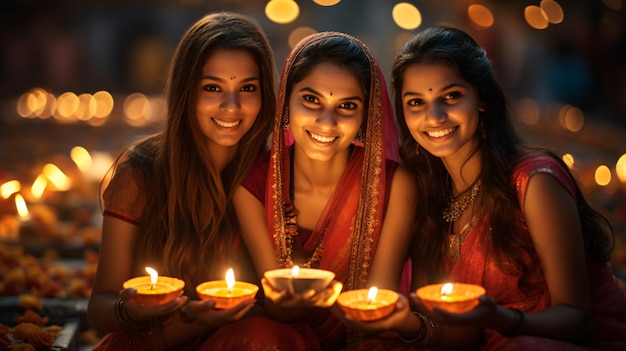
(446, 289)
(294, 271)
(371, 294)
(230, 280)
(154, 276)
(22, 209)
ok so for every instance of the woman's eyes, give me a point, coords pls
(248, 88)
(452, 96)
(447, 98)
(312, 99)
(211, 88)
(348, 106)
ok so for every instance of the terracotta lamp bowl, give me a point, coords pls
(307, 279)
(218, 291)
(354, 303)
(165, 290)
(462, 297)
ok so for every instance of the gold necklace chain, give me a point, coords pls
(455, 207)
(455, 241)
(291, 230)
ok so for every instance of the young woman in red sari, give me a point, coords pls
(325, 192)
(493, 212)
(169, 203)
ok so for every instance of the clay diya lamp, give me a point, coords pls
(451, 297)
(154, 290)
(227, 293)
(368, 304)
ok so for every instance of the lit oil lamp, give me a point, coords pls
(154, 290)
(456, 298)
(299, 280)
(368, 304)
(227, 293)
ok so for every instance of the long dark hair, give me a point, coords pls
(188, 226)
(499, 146)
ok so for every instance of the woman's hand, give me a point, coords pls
(398, 320)
(309, 298)
(204, 312)
(137, 313)
(482, 315)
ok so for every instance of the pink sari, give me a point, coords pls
(349, 226)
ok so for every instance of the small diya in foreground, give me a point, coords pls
(227, 293)
(368, 305)
(154, 290)
(299, 280)
(452, 297)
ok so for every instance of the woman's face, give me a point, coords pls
(229, 97)
(326, 110)
(440, 109)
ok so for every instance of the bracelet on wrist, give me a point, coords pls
(428, 333)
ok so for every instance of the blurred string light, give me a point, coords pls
(569, 160)
(327, 2)
(603, 175)
(571, 118)
(298, 34)
(552, 10)
(282, 11)
(406, 16)
(480, 15)
(620, 168)
(548, 12)
(68, 107)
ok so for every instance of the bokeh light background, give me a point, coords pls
(79, 80)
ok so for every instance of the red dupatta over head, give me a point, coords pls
(351, 222)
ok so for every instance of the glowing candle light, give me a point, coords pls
(452, 297)
(22, 209)
(298, 280)
(154, 276)
(9, 188)
(446, 289)
(38, 187)
(154, 290)
(371, 294)
(230, 280)
(228, 292)
(368, 304)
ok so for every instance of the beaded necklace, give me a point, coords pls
(456, 206)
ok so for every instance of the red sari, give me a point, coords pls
(348, 228)
(477, 266)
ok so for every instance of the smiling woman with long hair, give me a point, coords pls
(169, 202)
